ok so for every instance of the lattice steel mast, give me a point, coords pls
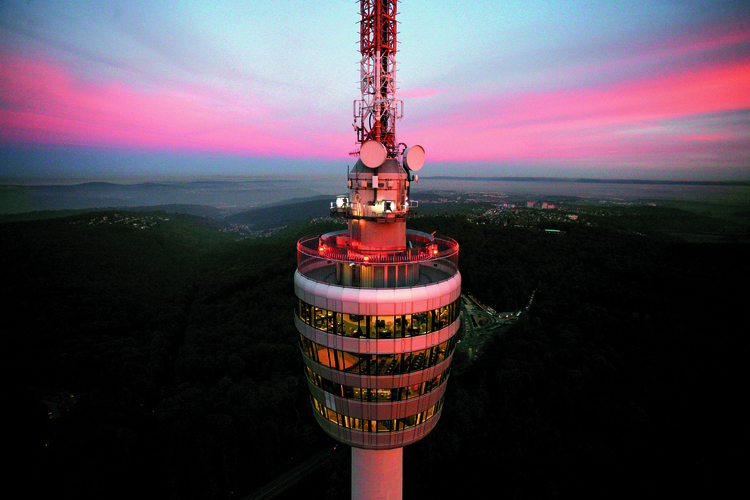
(376, 113)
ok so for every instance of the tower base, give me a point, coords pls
(377, 474)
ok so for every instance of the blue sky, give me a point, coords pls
(654, 90)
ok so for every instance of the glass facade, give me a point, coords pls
(363, 365)
(398, 424)
(377, 364)
(380, 395)
(377, 327)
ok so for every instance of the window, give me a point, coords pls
(376, 395)
(377, 425)
(377, 327)
(377, 364)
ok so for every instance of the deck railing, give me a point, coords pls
(421, 247)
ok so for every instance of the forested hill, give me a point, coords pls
(282, 214)
(621, 378)
(152, 352)
(162, 350)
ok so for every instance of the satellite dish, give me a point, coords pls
(373, 154)
(414, 158)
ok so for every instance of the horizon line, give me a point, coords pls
(136, 179)
(593, 180)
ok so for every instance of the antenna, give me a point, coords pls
(376, 113)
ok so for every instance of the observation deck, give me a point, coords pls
(331, 259)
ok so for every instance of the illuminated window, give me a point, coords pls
(377, 364)
(377, 426)
(377, 327)
(376, 395)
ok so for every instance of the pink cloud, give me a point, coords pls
(706, 137)
(718, 36)
(608, 121)
(644, 119)
(715, 40)
(657, 116)
(44, 103)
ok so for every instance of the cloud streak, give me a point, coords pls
(44, 103)
(550, 83)
(649, 116)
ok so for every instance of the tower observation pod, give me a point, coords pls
(377, 304)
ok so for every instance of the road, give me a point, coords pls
(281, 483)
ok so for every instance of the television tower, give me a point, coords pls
(377, 304)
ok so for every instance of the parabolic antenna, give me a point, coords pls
(373, 154)
(414, 158)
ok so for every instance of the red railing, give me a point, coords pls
(421, 247)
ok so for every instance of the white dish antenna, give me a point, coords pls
(373, 154)
(414, 158)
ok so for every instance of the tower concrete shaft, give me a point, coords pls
(377, 474)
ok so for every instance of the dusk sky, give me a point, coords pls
(609, 89)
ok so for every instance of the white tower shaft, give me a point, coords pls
(377, 474)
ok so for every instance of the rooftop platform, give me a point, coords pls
(427, 273)
(330, 259)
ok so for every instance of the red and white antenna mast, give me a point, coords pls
(376, 113)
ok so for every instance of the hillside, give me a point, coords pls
(282, 214)
(164, 350)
